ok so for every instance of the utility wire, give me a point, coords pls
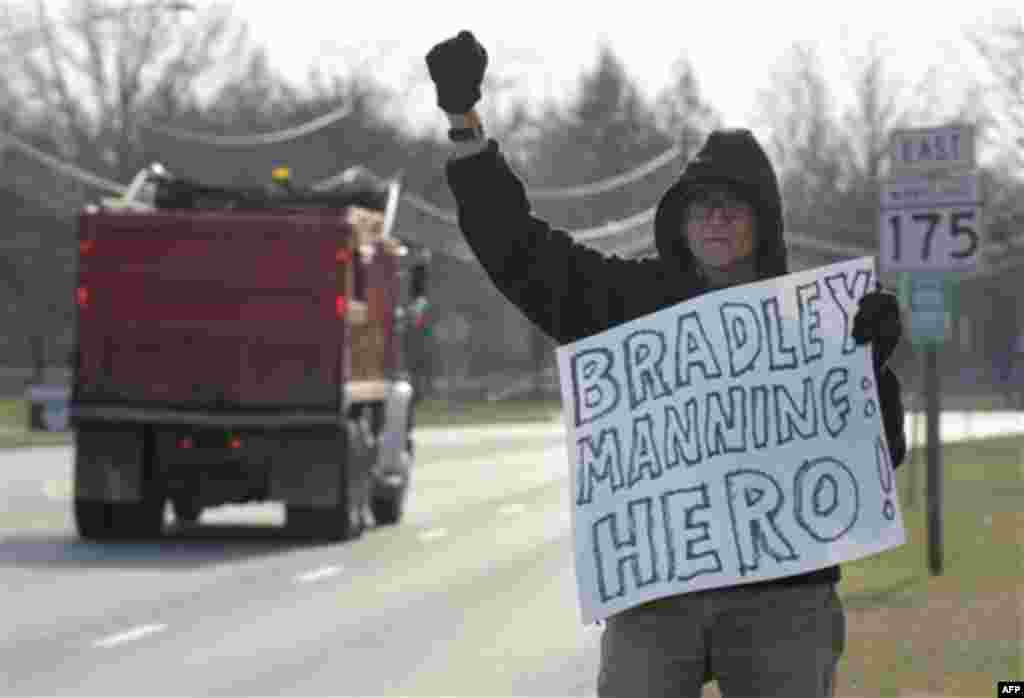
(615, 227)
(606, 185)
(583, 190)
(601, 232)
(254, 139)
(65, 168)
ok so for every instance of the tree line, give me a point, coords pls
(99, 86)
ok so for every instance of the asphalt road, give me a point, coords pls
(472, 595)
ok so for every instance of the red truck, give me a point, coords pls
(242, 346)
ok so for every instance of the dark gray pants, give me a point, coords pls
(761, 642)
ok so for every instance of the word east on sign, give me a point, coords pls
(945, 148)
(731, 438)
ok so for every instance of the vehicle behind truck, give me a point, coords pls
(239, 346)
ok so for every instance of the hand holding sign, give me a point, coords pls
(877, 322)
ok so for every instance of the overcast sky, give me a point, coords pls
(733, 46)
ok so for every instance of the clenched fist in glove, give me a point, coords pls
(457, 68)
(877, 321)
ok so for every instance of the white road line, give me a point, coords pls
(433, 534)
(130, 635)
(511, 509)
(321, 573)
(59, 490)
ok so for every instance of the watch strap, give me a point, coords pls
(460, 135)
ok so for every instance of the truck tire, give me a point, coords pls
(388, 501)
(389, 505)
(186, 510)
(139, 520)
(92, 519)
(111, 521)
(329, 525)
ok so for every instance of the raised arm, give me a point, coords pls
(567, 289)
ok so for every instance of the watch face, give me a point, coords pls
(465, 134)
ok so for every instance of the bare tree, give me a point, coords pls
(1001, 47)
(681, 111)
(831, 159)
(804, 142)
(97, 73)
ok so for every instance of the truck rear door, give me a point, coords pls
(211, 310)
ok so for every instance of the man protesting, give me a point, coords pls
(719, 225)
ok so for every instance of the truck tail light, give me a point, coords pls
(185, 442)
(343, 255)
(82, 296)
(341, 306)
(236, 443)
(86, 247)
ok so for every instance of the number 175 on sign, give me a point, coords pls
(931, 223)
(940, 238)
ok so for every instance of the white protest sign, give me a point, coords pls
(728, 439)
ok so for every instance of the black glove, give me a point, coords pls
(457, 68)
(877, 321)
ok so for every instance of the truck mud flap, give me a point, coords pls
(109, 462)
(308, 467)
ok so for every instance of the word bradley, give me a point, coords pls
(756, 339)
(674, 537)
(745, 419)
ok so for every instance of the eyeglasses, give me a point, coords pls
(732, 208)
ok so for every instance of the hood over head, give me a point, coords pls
(733, 158)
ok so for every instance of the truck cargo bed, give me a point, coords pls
(219, 311)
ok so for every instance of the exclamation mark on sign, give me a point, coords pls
(885, 476)
(869, 406)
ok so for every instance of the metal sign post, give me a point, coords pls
(931, 226)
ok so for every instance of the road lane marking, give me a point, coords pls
(511, 509)
(321, 573)
(59, 490)
(433, 534)
(130, 635)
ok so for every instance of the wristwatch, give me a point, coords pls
(462, 135)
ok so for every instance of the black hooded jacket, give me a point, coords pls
(571, 291)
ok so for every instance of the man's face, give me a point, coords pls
(720, 228)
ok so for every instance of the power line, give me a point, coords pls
(255, 139)
(609, 229)
(605, 185)
(65, 168)
(615, 227)
(414, 200)
(590, 189)
(812, 243)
